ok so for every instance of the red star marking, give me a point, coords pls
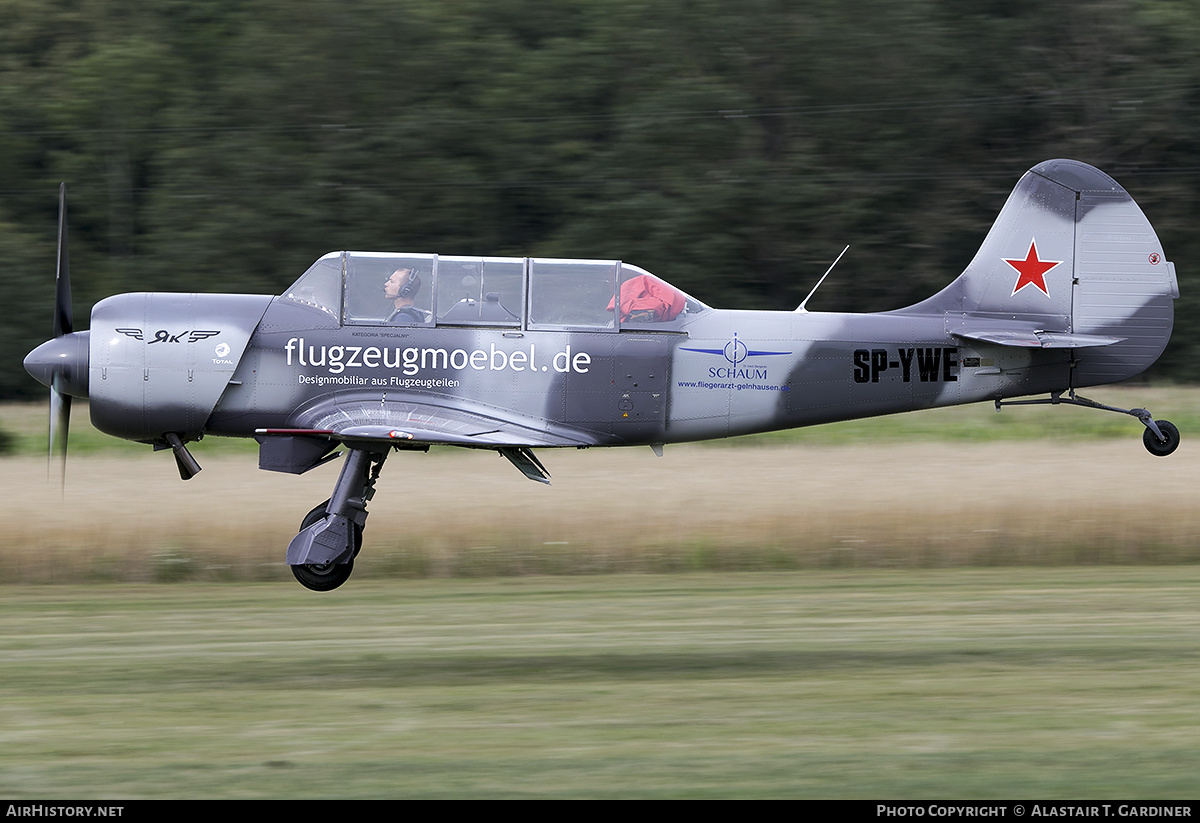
(1031, 271)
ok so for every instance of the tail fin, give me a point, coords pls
(1071, 262)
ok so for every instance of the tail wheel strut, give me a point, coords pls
(1160, 438)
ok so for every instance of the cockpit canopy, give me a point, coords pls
(503, 292)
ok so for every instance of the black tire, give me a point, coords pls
(1161, 449)
(313, 516)
(325, 577)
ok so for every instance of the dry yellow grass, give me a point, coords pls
(470, 513)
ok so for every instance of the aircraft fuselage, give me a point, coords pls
(721, 374)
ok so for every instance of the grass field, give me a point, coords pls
(880, 501)
(1011, 683)
(918, 607)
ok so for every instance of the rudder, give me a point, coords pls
(1124, 285)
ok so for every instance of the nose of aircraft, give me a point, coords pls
(66, 356)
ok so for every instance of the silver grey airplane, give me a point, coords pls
(380, 352)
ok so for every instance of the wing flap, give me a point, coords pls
(528, 464)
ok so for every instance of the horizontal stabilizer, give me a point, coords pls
(1039, 339)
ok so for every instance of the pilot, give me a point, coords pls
(401, 288)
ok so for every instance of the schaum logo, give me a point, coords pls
(736, 352)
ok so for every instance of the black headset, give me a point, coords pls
(411, 286)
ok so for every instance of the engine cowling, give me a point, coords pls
(159, 363)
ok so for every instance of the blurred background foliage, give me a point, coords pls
(733, 149)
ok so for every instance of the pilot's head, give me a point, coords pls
(402, 285)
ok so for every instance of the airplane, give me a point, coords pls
(379, 352)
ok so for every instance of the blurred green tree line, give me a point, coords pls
(733, 149)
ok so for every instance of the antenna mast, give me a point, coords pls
(822, 280)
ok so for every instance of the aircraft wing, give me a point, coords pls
(424, 423)
(413, 424)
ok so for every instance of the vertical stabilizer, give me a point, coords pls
(1071, 262)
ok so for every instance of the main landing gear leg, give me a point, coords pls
(322, 554)
(1160, 437)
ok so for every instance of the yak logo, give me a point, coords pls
(164, 336)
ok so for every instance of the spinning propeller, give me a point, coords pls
(60, 402)
(61, 363)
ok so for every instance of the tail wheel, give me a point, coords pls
(1170, 444)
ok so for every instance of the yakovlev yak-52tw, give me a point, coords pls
(380, 352)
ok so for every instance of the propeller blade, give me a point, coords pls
(60, 401)
(60, 424)
(63, 322)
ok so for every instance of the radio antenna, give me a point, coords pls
(822, 280)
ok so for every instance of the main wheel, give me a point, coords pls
(324, 577)
(317, 513)
(1161, 449)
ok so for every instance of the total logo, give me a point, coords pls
(222, 352)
